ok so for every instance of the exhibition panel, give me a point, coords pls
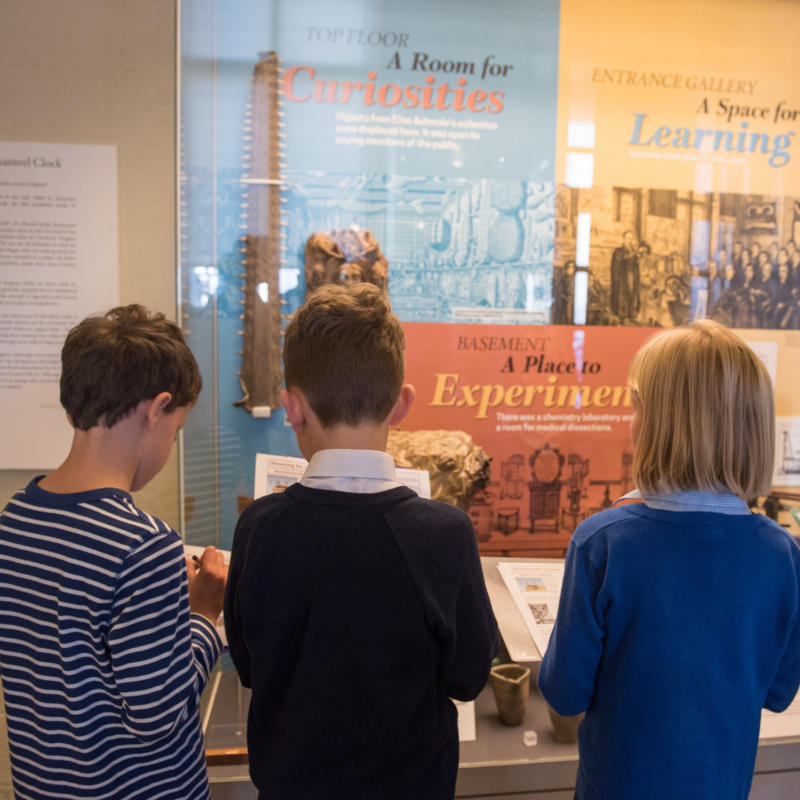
(533, 205)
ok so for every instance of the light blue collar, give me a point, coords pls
(724, 503)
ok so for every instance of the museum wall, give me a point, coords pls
(103, 72)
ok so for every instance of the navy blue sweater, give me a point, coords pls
(353, 618)
(674, 630)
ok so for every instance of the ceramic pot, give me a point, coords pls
(565, 729)
(511, 684)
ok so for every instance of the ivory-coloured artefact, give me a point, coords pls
(458, 468)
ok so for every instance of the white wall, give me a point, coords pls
(103, 72)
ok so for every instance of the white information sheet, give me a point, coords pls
(276, 473)
(536, 588)
(768, 353)
(466, 720)
(192, 550)
(787, 452)
(776, 726)
(58, 264)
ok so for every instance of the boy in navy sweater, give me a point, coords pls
(354, 608)
(678, 619)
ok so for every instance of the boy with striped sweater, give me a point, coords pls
(107, 634)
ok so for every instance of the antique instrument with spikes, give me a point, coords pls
(261, 244)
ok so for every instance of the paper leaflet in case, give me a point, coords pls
(787, 452)
(275, 474)
(536, 588)
(777, 726)
(466, 720)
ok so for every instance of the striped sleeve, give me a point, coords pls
(160, 655)
(206, 647)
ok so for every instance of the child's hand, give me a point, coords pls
(207, 579)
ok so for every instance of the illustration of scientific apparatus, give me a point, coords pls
(790, 464)
(512, 481)
(545, 488)
(507, 520)
(481, 513)
(576, 491)
(606, 502)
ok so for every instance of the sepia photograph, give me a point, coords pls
(663, 258)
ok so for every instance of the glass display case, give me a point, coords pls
(468, 161)
(472, 161)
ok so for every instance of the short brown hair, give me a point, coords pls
(112, 363)
(344, 350)
(709, 417)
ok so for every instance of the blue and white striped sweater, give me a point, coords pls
(102, 663)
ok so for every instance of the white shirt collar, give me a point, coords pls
(372, 464)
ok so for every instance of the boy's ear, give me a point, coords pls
(294, 409)
(403, 404)
(156, 407)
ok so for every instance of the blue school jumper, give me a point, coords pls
(675, 628)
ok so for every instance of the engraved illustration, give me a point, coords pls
(458, 249)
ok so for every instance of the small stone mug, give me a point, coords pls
(565, 729)
(511, 684)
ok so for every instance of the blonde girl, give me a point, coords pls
(678, 619)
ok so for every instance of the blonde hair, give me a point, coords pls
(708, 413)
